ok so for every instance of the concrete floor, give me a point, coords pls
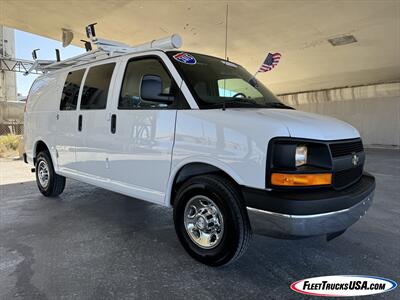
(94, 244)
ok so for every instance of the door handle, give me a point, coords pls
(80, 123)
(113, 123)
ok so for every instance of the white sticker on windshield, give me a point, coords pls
(229, 63)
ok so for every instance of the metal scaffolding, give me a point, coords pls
(17, 65)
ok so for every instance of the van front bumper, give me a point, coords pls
(311, 213)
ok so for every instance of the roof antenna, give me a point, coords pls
(226, 34)
(226, 51)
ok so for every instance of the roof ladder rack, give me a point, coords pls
(104, 48)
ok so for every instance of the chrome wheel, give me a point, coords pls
(203, 222)
(43, 173)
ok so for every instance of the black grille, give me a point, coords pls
(344, 178)
(346, 148)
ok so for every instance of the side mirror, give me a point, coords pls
(151, 90)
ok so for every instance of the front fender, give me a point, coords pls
(199, 159)
(52, 151)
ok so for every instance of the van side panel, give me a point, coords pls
(226, 140)
(41, 113)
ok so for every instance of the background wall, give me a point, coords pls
(374, 109)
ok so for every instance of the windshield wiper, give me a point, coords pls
(237, 102)
(243, 101)
(278, 105)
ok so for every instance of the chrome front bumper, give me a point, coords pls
(297, 226)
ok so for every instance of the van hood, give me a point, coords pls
(309, 125)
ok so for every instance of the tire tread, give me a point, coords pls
(245, 229)
(235, 201)
(57, 182)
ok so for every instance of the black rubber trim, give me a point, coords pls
(25, 158)
(309, 202)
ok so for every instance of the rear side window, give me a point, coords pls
(69, 97)
(97, 84)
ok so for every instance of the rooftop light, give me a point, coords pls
(342, 40)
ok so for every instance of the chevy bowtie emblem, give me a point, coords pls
(355, 159)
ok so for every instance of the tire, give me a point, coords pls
(55, 184)
(230, 239)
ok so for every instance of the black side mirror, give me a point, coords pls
(151, 90)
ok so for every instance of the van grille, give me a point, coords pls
(343, 178)
(346, 148)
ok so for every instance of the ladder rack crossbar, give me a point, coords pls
(105, 48)
(86, 57)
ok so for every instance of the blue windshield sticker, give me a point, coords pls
(185, 58)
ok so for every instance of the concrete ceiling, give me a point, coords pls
(297, 29)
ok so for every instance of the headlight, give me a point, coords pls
(301, 155)
(298, 162)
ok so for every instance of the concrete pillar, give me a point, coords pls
(8, 82)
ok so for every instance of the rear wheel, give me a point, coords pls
(49, 183)
(211, 220)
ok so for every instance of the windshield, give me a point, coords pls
(216, 83)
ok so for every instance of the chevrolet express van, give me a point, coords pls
(202, 135)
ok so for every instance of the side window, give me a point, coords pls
(69, 96)
(130, 91)
(97, 84)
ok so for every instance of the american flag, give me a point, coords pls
(270, 62)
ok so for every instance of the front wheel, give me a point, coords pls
(211, 220)
(49, 183)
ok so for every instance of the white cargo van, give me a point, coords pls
(202, 135)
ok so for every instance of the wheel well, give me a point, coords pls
(40, 146)
(195, 169)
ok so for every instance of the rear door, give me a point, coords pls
(66, 121)
(93, 121)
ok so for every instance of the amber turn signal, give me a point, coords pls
(301, 179)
